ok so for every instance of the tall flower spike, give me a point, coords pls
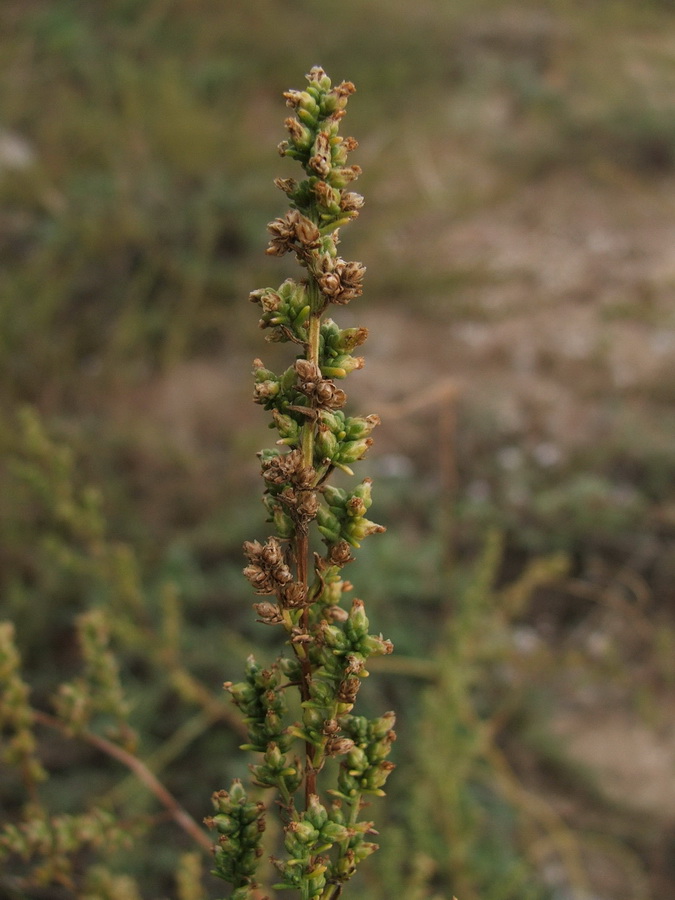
(304, 593)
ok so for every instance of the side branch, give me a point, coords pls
(139, 769)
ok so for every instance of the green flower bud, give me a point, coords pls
(358, 728)
(261, 373)
(382, 726)
(351, 338)
(316, 880)
(241, 693)
(363, 851)
(300, 318)
(332, 536)
(335, 497)
(319, 82)
(225, 824)
(300, 136)
(283, 523)
(312, 718)
(287, 380)
(334, 637)
(355, 530)
(355, 507)
(326, 444)
(348, 364)
(328, 524)
(264, 391)
(335, 421)
(358, 427)
(377, 777)
(357, 623)
(321, 693)
(372, 645)
(307, 117)
(357, 761)
(332, 833)
(363, 491)
(291, 667)
(316, 812)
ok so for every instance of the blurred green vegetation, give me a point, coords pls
(136, 157)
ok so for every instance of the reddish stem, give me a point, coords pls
(140, 770)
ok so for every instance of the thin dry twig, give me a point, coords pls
(140, 770)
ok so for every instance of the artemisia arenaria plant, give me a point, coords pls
(324, 766)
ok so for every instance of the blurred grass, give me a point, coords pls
(136, 223)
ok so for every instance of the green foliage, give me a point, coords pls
(50, 839)
(466, 815)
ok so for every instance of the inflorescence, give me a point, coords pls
(324, 836)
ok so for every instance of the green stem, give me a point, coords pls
(301, 539)
(313, 338)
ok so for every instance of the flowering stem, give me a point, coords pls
(331, 642)
(301, 539)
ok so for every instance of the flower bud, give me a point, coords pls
(312, 719)
(283, 523)
(358, 427)
(334, 637)
(338, 746)
(265, 391)
(358, 621)
(317, 76)
(326, 443)
(307, 506)
(383, 725)
(364, 850)
(303, 831)
(363, 491)
(357, 761)
(300, 135)
(341, 176)
(355, 530)
(225, 824)
(372, 645)
(316, 812)
(355, 664)
(267, 298)
(287, 427)
(332, 833)
(335, 497)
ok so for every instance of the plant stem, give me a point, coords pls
(301, 540)
(178, 814)
(313, 344)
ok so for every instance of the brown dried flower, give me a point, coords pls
(337, 746)
(339, 280)
(294, 595)
(288, 467)
(340, 554)
(268, 613)
(321, 390)
(292, 232)
(321, 159)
